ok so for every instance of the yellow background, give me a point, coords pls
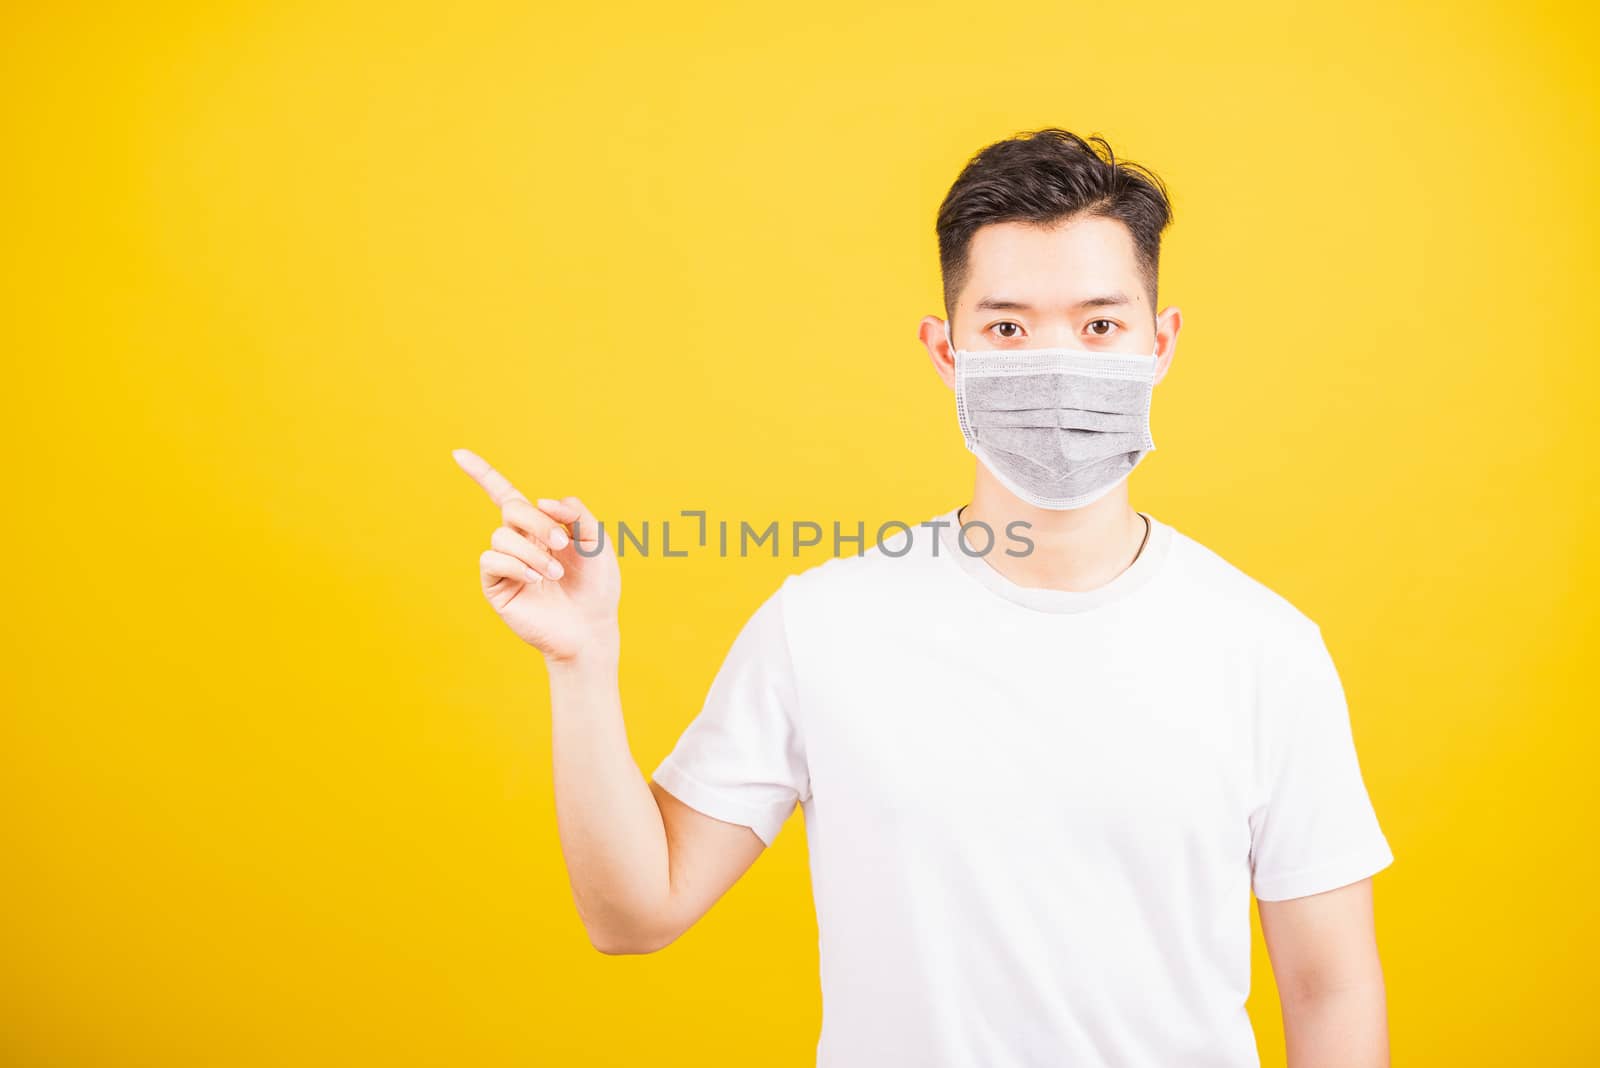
(277, 780)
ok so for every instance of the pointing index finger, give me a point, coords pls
(496, 485)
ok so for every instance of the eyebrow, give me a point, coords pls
(1104, 300)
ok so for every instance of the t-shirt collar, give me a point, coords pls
(1149, 562)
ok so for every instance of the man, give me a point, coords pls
(1039, 786)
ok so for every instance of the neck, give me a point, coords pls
(1078, 549)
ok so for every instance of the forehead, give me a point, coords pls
(1051, 264)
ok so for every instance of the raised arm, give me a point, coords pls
(1330, 983)
(643, 865)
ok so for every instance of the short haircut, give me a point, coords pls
(1044, 177)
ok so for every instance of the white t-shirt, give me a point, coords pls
(1035, 817)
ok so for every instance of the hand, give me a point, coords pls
(561, 602)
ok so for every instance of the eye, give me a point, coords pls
(1013, 326)
(1102, 333)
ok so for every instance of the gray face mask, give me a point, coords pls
(1060, 428)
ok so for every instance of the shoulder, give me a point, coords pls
(1229, 594)
(1294, 680)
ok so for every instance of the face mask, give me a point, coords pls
(1060, 428)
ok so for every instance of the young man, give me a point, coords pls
(1039, 786)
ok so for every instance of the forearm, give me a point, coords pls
(610, 827)
(1339, 1027)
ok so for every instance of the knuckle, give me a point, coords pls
(524, 515)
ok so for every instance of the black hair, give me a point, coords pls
(1043, 177)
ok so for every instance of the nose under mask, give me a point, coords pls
(1060, 428)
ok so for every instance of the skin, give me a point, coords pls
(644, 867)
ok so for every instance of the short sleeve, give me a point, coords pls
(1315, 828)
(741, 759)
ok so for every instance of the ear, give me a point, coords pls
(932, 335)
(1168, 323)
